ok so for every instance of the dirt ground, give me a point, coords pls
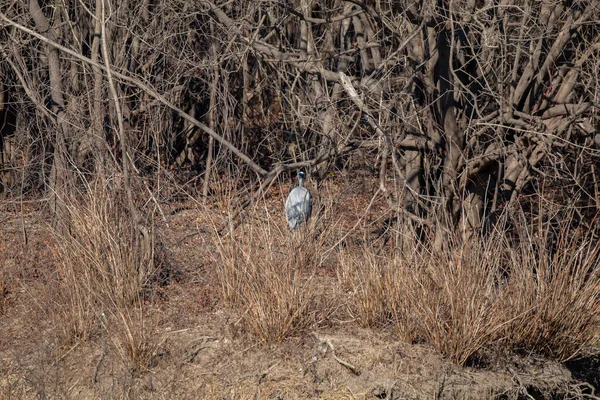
(195, 349)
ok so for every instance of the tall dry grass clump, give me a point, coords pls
(448, 300)
(269, 276)
(133, 338)
(555, 284)
(104, 264)
(482, 293)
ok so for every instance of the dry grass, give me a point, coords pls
(537, 290)
(481, 293)
(476, 294)
(496, 292)
(448, 301)
(133, 339)
(556, 289)
(102, 249)
(269, 275)
(104, 270)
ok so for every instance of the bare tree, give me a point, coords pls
(463, 105)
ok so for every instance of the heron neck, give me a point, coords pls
(301, 182)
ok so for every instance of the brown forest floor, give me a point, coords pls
(197, 349)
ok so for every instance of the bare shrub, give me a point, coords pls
(479, 293)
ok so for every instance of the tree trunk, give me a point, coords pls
(59, 173)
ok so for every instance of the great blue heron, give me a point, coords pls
(298, 204)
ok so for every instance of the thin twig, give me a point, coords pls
(346, 364)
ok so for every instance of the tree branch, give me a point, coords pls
(146, 88)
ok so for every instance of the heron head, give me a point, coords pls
(301, 176)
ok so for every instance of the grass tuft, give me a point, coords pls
(104, 265)
(270, 277)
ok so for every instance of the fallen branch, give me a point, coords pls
(346, 364)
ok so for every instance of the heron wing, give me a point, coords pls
(298, 207)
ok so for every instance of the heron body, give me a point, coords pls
(298, 204)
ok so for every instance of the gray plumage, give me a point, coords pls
(298, 204)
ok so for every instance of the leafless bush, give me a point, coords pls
(459, 105)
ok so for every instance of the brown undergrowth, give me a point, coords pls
(105, 272)
(533, 291)
(271, 277)
(538, 292)
(531, 294)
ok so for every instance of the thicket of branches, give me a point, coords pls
(456, 106)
